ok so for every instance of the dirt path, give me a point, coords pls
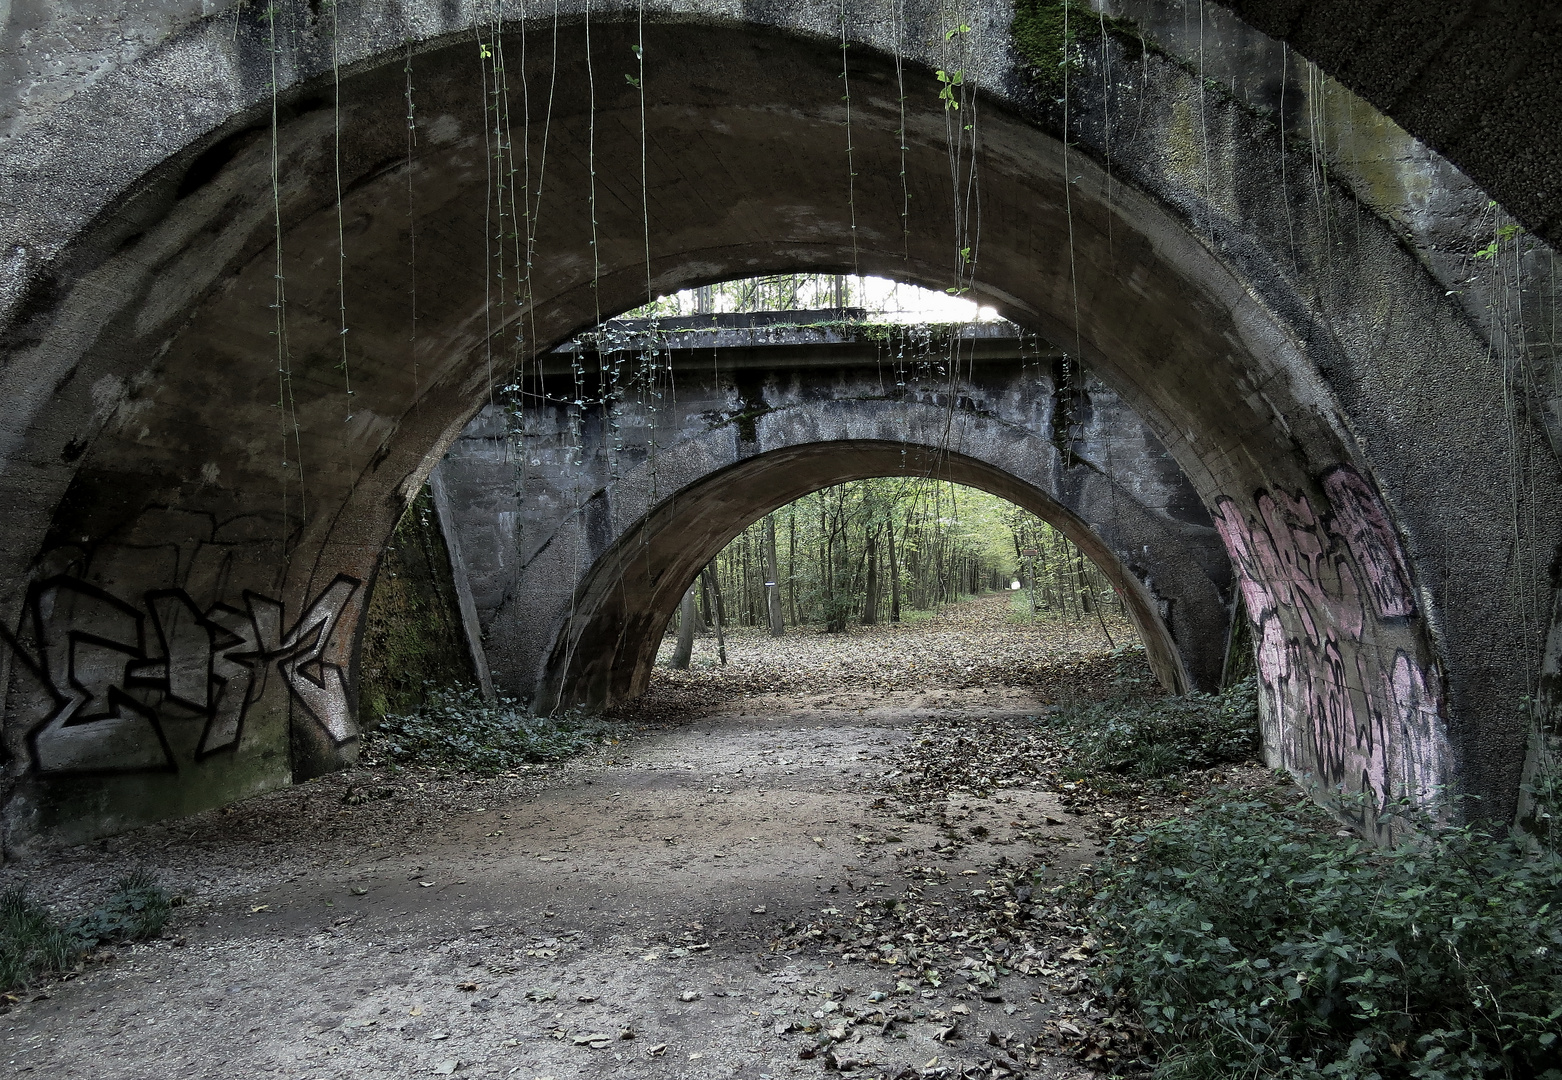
(697, 901)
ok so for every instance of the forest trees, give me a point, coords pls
(878, 550)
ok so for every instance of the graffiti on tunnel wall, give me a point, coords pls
(115, 675)
(1351, 696)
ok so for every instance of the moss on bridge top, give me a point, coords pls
(1044, 30)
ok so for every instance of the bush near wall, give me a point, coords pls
(455, 728)
(1255, 940)
(33, 943)
(1151, 737)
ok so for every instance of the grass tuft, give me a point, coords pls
(33, 943)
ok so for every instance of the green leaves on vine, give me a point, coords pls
(948, 93)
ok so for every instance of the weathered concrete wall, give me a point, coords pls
(200, 477)
(546, 492)
(412, 637)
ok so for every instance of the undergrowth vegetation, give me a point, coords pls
(1254, 940)
(1152, 737)
(457, 729)
(33, 942)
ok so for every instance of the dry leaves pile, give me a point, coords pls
(971, 940)
(963, 646)
(978, 932)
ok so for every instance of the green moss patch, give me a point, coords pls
(1047, 34)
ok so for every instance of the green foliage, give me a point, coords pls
(456, 728)
(949, 90)
(1041, 40)
(136, 910)
(1254, 941)
(1500, 240)
(837, 609)
(1149, 737)
(32, 943)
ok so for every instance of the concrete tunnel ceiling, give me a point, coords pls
(210, 522)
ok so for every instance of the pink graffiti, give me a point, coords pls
(1334, 709)
(1360, 518)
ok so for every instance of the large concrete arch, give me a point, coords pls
(548, 507)
(606, 649)
(191, 528)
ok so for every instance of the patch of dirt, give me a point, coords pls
(834, 854)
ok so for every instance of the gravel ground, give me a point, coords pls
(811, 859)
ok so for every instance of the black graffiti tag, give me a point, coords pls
(89, 650)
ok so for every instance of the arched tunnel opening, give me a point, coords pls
(218, 461)
(371, 405)
(565, 582)
(897, 583)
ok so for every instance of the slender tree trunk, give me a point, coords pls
(894, 574)
(707, 614)
(791, 562)
(721, 638)
(688, 615)
(772, 579)
(1082, 576)
(870, 606)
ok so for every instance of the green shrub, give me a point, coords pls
(1254, 941)
(32, 943)
(458, 729)
(136, 910)
(1149, 737)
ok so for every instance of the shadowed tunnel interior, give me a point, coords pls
(203, 475)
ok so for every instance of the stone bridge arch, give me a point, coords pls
(548, 513)
(196, 501)
(606, 648)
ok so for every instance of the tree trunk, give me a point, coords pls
(721, 638)
(870, 606)
(688, 615)
(791, 562)
(894, 575)
(707, 613)
(1087, 603)
(772, 579)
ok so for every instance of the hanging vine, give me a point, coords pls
(287, 408)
